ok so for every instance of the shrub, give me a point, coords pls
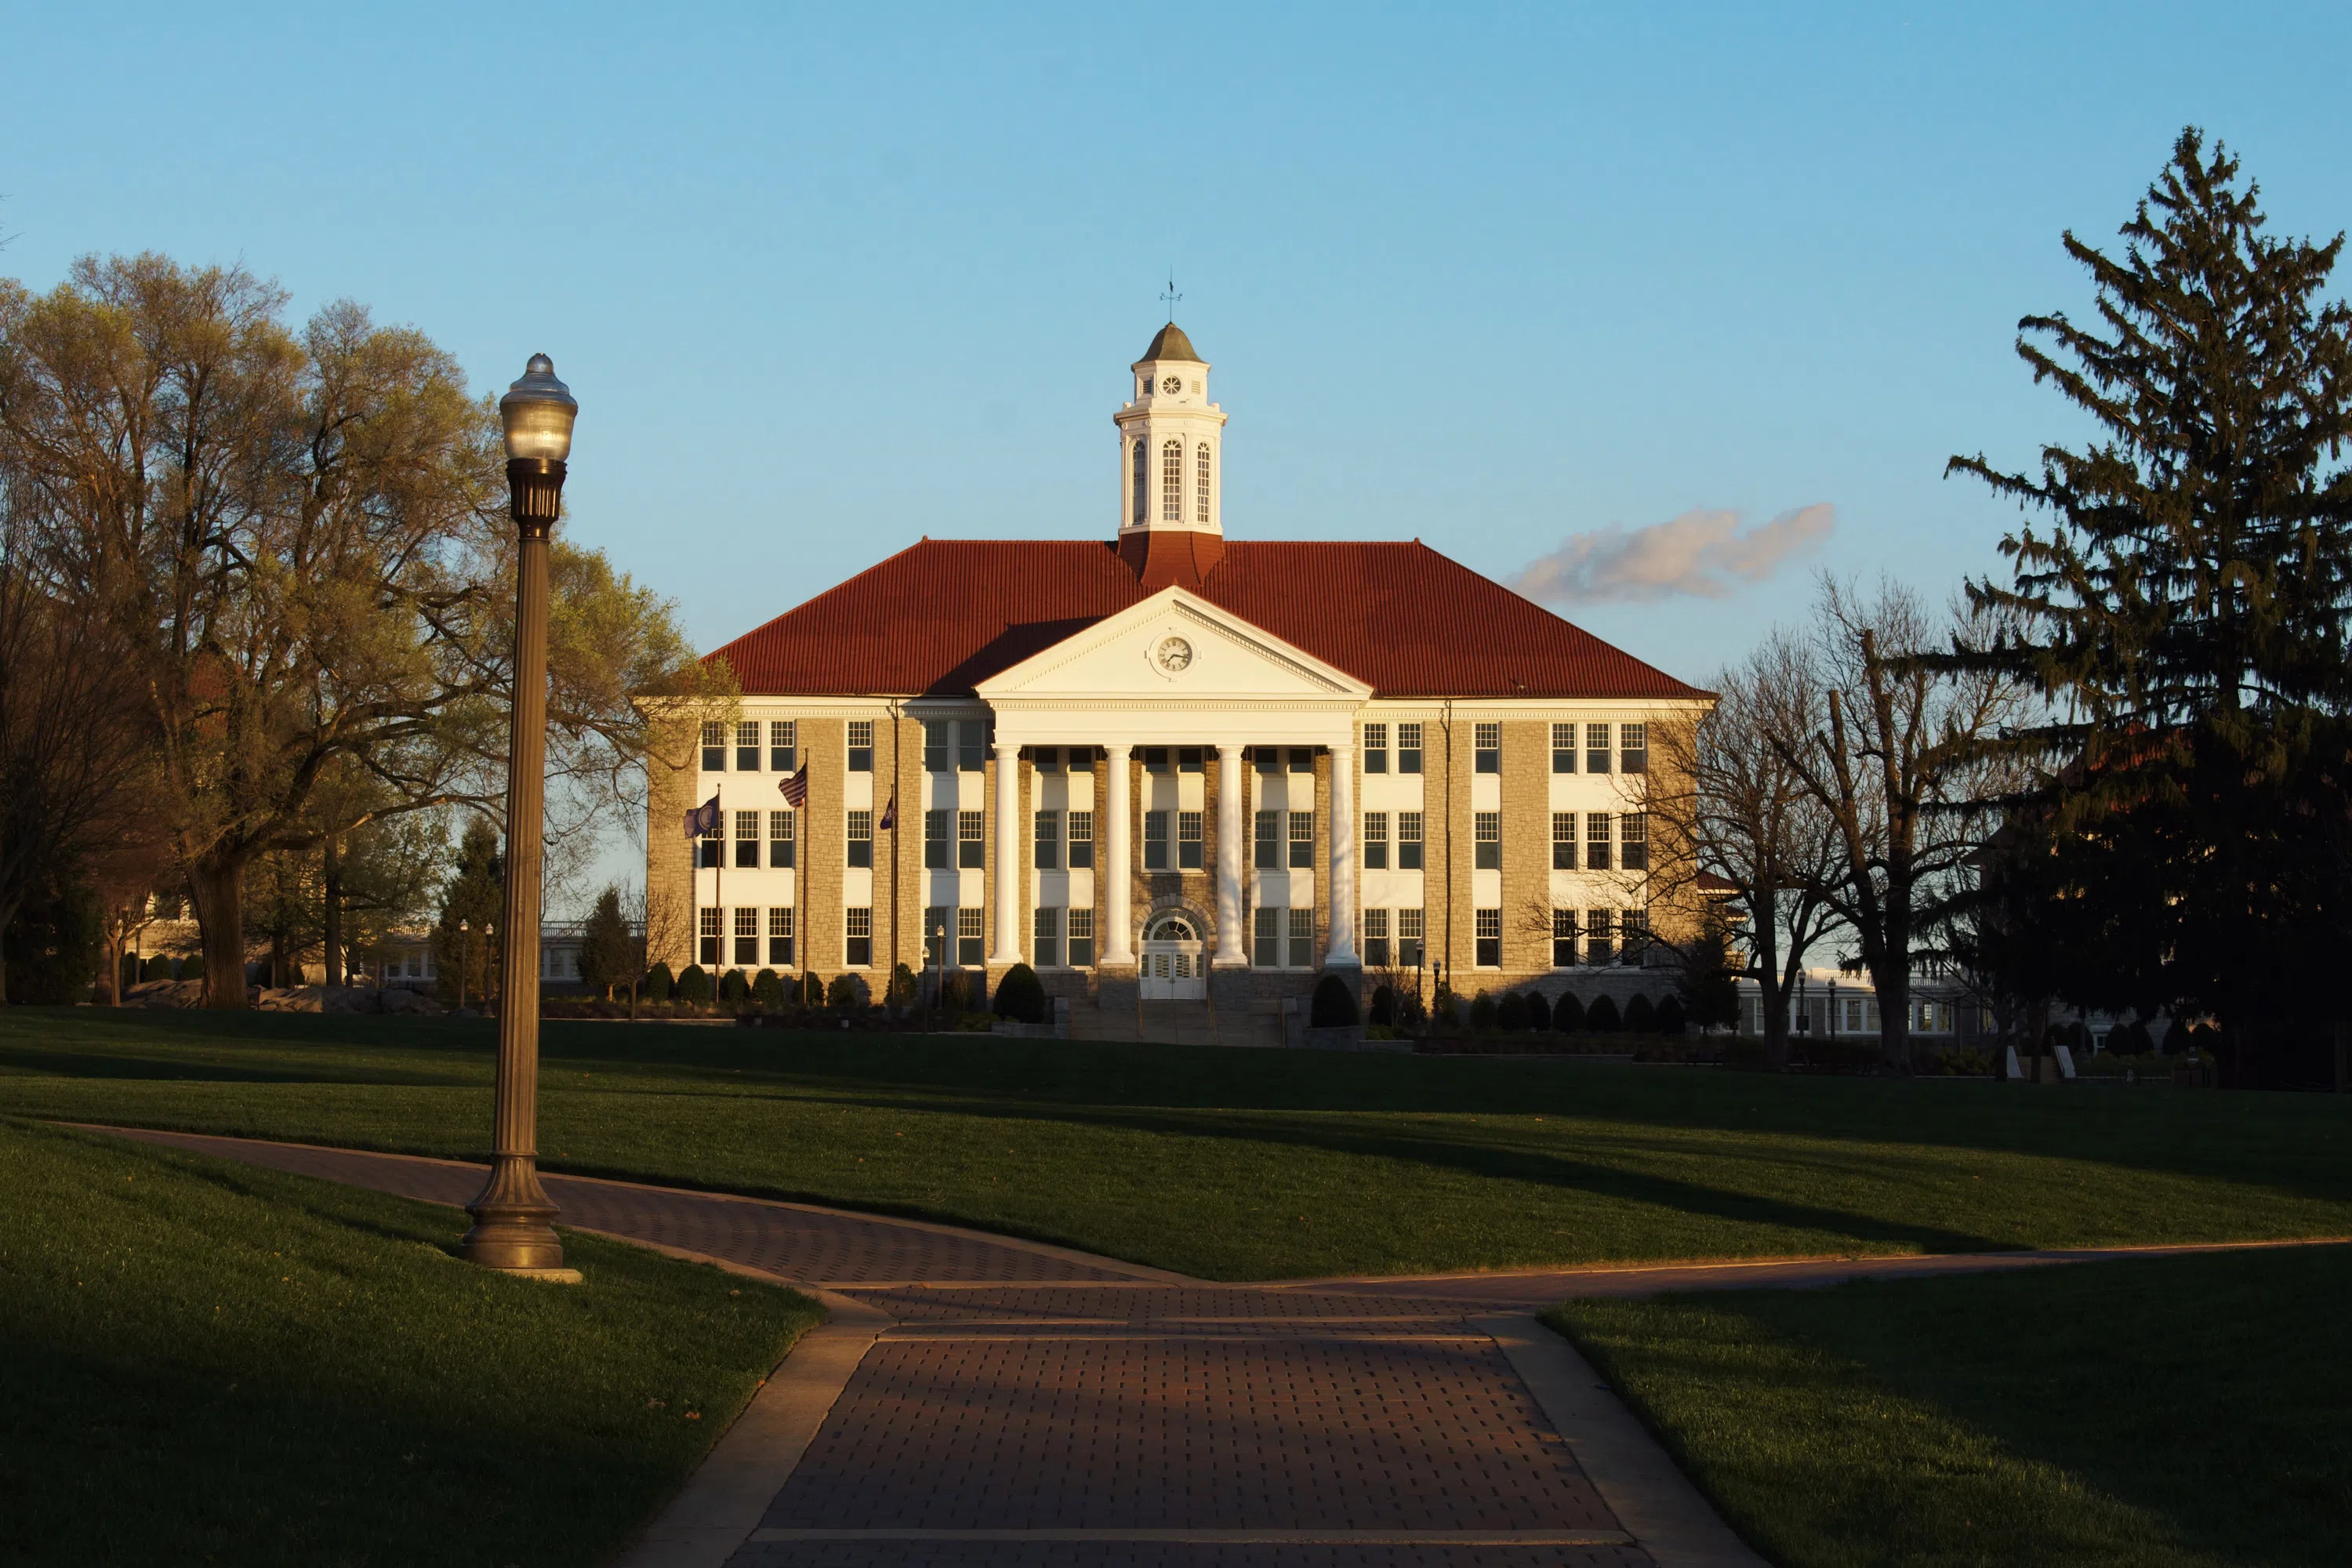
(659, 982)
(811, 990)
(2137, 1040)
(900, 992)
(694, 986)
(1670, 1016)
(768, 990)
(1334, 1005)
(955, 996)
(1511, 1013)
(1640, 1017)
(848, 993)
(1538, 1011)
(1383, 1013)
(1483, 1011)
(157, 967)
(1021, 997)
(1567, 1015)
(734, 987)
(1602, 1016)
(1444, 1010)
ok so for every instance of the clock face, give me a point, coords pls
(1172, 655)
(1172, 384)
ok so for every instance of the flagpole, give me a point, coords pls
(718, 892)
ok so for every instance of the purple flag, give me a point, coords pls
(890, 815)
(702, 822)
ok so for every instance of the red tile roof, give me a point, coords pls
(939, 616)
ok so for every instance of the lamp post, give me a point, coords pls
(511, 1215)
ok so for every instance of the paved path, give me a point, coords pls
(978, 1400)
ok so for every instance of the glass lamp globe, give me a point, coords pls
(537, 412)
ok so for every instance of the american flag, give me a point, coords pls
(795, 788)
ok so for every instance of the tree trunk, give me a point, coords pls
(113, 976)
(332, 876)
(217, 890)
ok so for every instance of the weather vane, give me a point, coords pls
(1172, 297)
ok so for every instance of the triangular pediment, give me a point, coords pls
(1173, 647)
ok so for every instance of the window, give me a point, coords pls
(747, 839)
(1082, 938)
(1188, 840)
(861, 745)
(1408, 748)
(1563, 841)
(1596, 748)
(1376, 939)
(1376, 841)
(1563, 939)
(1490, 938)
(1269, 841)
(858, 938)
(707, 933)
(1409, 941)
(1049, 840)
(1155, 841)
(747, 937)
(1486, 835)
(1268, 934)
(1487, 755)
(1171, 482)
(971, 842)
(971, 947)
(1596, 841)
(1082, 759)
(1376, 748)
(779, 840)
(1634, 928)
(779, 938)
(1048, 758)
(1155, 759)
(708, 851)
(1266, 759)
(1188, 760)
(1302, 939)
(1302, 759)
(1633, 840)
(1563, 748)
(1408, 841)
(784, 745)
(1302, 841)
(861, 838)
(747, 746)
(972, 747)
(1634, 748)
(938, 828)
(1600, 935)
(1045, 951)
(714, 747)
(1142, 484)
(937, 744)
(1082, 841)
(1201, 484)
(938, 921)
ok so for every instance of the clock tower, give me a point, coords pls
(1171, 466)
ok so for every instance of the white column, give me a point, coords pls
(1115, 869)
(1230, 829)
(1008, 856)
(1340, 950)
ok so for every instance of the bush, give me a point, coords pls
(1384, 1008)
(694, 986)
(55, 952)
(1538, 1011)
(1640, 1017)
(810, 990)
(1511, 1013)
(157, 967)
(1020, 995)
(1483, 1011)
(1670, 1016)
(659, 982)
(900, 992)
(1444, 1010)
(847, 994)
(1567, 1015)
(734, 987)
(955, 996)
(1602, 1016)
(1334, 1007)
(768, 990)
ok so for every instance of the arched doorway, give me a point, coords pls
(1174, 968)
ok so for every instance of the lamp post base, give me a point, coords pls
(510, 1230)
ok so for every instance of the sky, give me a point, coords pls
(1525, 283)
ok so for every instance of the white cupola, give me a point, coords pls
(1171, 466)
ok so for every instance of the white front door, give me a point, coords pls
(1174, 968)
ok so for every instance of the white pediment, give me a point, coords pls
(1176, 650)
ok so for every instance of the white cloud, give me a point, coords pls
(1702, 552)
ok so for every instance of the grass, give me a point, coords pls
(204, 1362)
(1241, 1164)
(2161, 1413)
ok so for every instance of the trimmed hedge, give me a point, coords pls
(1334, 1007)
(1021, 997)
(659, 982)
(694, 986)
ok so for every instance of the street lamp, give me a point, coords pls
(511, 1215)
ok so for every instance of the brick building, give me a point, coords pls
(1212, 769)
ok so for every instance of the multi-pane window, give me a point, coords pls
(861, 745)
(1408, 748)
(1410, 923)
(1596, 841)
(1189, 760)
(939, 826)
(1376, 939)
(1634, 929)
(1049, 840)
(1188, 840)
(1048, 758)
(1633, 840)
(1082, 841)
(1376, 748)
(857, 937)
(1266, 759)
(1302, 939)
(1155, 841)
(1596, 748)
(1563, 748)
(781, 833)
(747, 936)
(1563, 939)
(1634, 748)
(971, 949)
(747, 839)
(1171, 482)
(779, 938)
(861, 838)
(972, 745)
(1267, 938)
(1201, 484)
(1082, 759)
(1302, 840)
(747, 746)
(714, 746)
(1082, 938)
(938, 921)
(1155, 759)
(1302, 759)
(1142, 483)
(1563, 841)
(1487, 840)
(707, 850)
(1408, 841)
(1376, 841)
(706, 938)
(1046, 940)
(1490, 938)
(971, 840)
(783, 744)
(1268, 841)
(1486, 749)
(1600, 935)
(938, 742)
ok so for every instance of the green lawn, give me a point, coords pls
(204, 1362)
(1237, 1164)
(2158, 1413)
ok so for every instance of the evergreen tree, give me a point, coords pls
(473, 901)
(607, 951)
